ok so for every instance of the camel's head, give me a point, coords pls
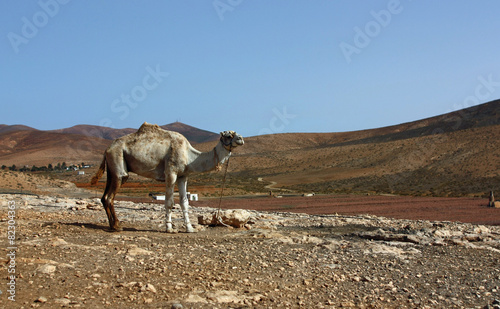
(231, 139)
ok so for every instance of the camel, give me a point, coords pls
(162, 155)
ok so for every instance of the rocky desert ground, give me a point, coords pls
(62, 255)
(368, 242)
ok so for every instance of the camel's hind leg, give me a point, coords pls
(112, 186)
(116, 176)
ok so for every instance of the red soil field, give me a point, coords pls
(469, 210)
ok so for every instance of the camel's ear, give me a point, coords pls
(226, 133)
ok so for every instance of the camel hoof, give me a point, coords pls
(116, 229)
(189, 229)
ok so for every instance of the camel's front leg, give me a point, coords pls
(169, 200)
(182, 185)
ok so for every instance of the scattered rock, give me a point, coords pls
(94, 206)
(286, 260)
(46, 269)
(138, 251)
(58, 242)
(193, 298)
(62, 301)
(41, 299)
(225, 296)
(148, 288)
(390, 249)
(235, 218)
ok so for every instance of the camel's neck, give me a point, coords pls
(207, 161)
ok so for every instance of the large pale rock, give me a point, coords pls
(193, 298)
(235, 218)
(138, 251)
(46, 269)
(148, 287)
(225, 296)
(496, 204)
(62, 301)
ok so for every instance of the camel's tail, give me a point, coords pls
(99, 173)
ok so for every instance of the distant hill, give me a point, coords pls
(22, 145)
(194, 135)
(95, 131)
(487, 114)
(17, 127)
(34, 147)
(454, 154)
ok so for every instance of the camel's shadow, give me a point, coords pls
(105, 228)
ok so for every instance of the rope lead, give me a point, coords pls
(218, 217)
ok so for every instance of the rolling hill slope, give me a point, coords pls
(194, 135)
(22, 145)
(452, 154)
(34, 147)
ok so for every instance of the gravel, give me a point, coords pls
(66, 257)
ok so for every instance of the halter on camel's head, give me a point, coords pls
(231, 139)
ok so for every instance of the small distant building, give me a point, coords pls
(80, 173)
(161, 197)
(157, 196)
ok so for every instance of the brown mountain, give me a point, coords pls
(95, 131)
(17, 127)
(194, 135)
(34, 147)
(22, 145)
(451, 154)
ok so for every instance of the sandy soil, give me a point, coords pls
(323, 251)
(65, 257)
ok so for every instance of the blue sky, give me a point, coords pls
(255, 67)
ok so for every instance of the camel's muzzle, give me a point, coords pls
(238, 140)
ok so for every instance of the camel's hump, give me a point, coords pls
(147, 127)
